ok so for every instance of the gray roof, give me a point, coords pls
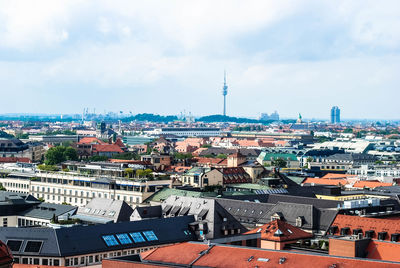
(205, 210)
(16, 198)
(351, 157)
(251, 214)
(319, 203)
(107, 209)
(248, 213)
(46, 211)
(80, 240)
(149, 211)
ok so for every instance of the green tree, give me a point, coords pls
(129, 172)
(183, 156)
(348, 130)
(98, 158)
(222, 156)
(280, 163)
(48, 167)
(58, 154)
(71, 154)
(2, 187)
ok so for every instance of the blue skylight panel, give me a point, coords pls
(110, 240)
(137, 237)
(150, 236)
(124, 239)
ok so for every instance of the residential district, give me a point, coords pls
(190, 193)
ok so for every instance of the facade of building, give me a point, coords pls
(78, 190)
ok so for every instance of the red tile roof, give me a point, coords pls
(281, 231)
(90, 140)
(389, 225)
(120, 143)
(107, 148)
(325, 181)
(5, 255)
(337, 176)
(208, 160)
(233, 256)
(14, 160)
(370, 184)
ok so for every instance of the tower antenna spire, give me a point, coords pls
(224, 93)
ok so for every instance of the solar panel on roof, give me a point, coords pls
(14, 245)
(110, 240)
(33, 246)
(150, 236)
(137, 237)
(124, 239)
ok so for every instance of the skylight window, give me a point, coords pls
(150, 236)
(110, 240)
(124, 239)
(33, 246)
(137, 237)
(14, 245)
(112, 213)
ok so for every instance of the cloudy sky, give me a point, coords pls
(167, 57)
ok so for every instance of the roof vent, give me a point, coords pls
(259, 230)
(249, 259)
(282, 260)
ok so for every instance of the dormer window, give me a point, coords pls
(276, 216)
(299, 221)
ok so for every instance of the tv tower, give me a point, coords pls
(225, 92)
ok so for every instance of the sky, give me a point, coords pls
(168, 57)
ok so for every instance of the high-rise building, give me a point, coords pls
(224, 93)
(335, 115)
(273, 116)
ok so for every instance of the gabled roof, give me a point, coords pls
(90, 140)
(107, 148)
(110, 209)
(281, 231)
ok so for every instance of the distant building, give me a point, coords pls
(335, 115)
(185, 132)
(273, 116)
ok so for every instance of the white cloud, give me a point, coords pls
(167, 48)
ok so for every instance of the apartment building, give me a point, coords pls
(78, 190)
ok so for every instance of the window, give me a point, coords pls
(137, 237)
(110, 240)
(33, 246)
(56, 262)
(14, 245)
(150, 236)
(5, 222)
(124, 239)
